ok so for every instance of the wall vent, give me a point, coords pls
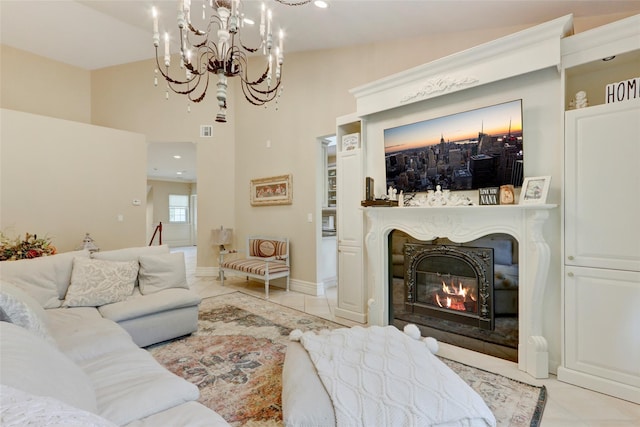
(206, 131)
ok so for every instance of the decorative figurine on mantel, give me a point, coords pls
(392, 193)
(439, 197)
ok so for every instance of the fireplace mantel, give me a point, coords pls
(463, 224)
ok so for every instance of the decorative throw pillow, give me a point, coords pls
(22, 310)
(98, 282)
(158, 272)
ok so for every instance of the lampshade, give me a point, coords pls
(222, 236)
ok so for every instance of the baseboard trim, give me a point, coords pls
(350, 315)
(307, 288)
(601, 385)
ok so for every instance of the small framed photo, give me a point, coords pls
(534, 190)
(275, 190)
(507, 194)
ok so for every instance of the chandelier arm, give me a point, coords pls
(242, 59)
(196, 31)
(204, 91)
(250, 94)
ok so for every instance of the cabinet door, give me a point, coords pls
(351, 292)
(602, 323)
(602, 186)
(350, 193)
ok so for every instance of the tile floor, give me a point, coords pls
(567, 405)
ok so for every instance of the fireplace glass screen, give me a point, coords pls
(450, 282)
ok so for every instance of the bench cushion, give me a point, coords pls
(256, 266)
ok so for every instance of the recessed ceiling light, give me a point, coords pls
(178, 173)
(177, 156)
(248, 21)
(321, 4)
(608, 58)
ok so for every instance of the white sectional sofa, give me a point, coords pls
(71, 332)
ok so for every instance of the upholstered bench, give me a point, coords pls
(267, 258)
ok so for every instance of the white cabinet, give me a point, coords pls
(350, 191)
(602, 187)
(601, 278)
(603, 324)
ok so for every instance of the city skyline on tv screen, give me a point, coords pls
(463, 151)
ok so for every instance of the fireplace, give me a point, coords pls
(449, 282)
(462, 225)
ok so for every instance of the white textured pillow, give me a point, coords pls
(20, 409)
(98, 282)
(33, 365)
(159, 272)
(22, 310)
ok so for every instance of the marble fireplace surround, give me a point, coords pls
(463, 224)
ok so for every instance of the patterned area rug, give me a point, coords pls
(236, 360)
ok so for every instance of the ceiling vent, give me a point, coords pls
(206, 131)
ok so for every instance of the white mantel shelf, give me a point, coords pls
(463, 224)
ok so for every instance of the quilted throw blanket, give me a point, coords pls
(381, 376)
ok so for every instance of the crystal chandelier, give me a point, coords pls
(219, 50)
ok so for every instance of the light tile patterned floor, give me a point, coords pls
(567, 405)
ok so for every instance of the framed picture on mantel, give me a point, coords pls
(534, 190)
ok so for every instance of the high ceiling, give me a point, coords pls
(93, 34)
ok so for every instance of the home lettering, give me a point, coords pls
(623, 91)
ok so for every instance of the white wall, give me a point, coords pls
(64, 179)
(39, 85)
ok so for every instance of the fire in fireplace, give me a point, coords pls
(453, 283)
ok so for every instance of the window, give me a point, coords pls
(178, 208)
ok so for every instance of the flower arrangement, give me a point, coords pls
(30, 247)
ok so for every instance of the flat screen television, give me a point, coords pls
(463, 151)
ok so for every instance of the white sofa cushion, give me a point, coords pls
(19, 308)
(97, 282)
(31, 364)
(162, 271)
(191, 414)
(20, 409)
(82, 333)
(131, 384)
(46, 278)
(128, 254)
(305, 401)
(141, 305)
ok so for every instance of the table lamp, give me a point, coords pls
(222, 236)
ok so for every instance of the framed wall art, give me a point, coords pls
(534, 190)
(275, 190)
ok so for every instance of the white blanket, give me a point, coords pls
(379, 376)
